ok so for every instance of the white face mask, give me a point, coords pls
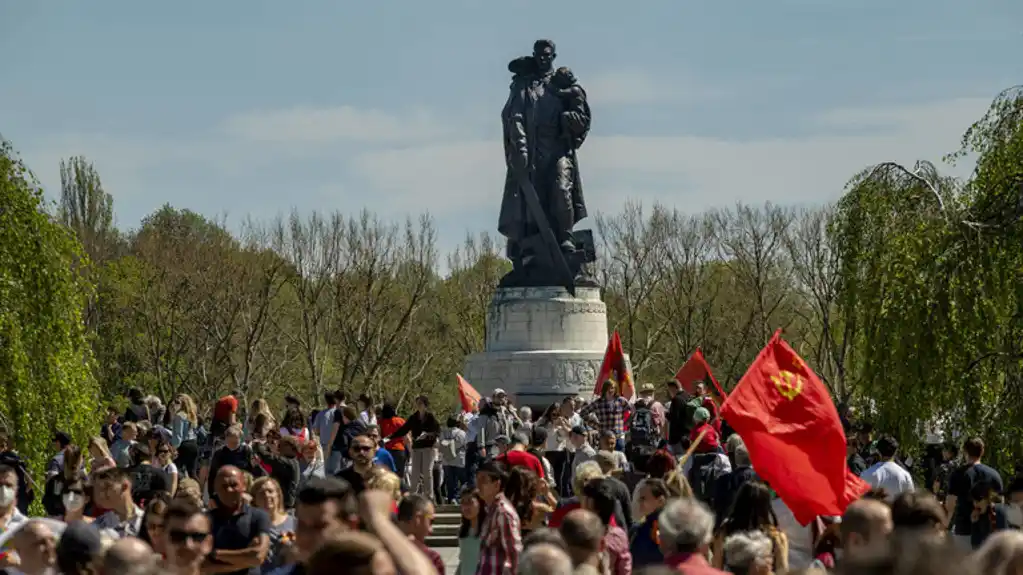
(7, 496)
(73, 501)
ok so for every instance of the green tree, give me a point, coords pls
(46, 380)
(86, 208)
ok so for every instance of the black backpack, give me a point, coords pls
(641, 427)
(703, 476)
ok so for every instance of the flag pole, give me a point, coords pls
(699, 438)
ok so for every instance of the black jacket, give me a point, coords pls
(418, 426)
(285, 470)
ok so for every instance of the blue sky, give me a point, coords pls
(251, 108)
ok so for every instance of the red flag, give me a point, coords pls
(795, 439)
(615, 369)
(696, 369)
(468, 396)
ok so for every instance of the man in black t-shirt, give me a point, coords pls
(679, 417)
(147, 481)
(361, 453)
(241, 534)
(959, 501)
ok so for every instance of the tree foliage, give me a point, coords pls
(46, 375)
(904, 295)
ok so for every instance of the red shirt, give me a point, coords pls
(710, 441)
(691, 564)
(224, 407)
(433, 556)
(389, 426)
(522, 459)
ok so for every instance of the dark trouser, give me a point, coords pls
(400, 458)
(454, 478)
(472, 462)
(188, 459)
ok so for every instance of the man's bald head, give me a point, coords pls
(583, 533)
(129, 556)
(36, 546)
(865, 523)
(229, 486)
(544, 559)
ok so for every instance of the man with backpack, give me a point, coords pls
(643, 435)
(496, 419)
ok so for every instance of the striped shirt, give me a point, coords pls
(500, 539)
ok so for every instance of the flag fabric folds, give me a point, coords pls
(696, 369)
(614, 368)
(786, 418)
(466, 394)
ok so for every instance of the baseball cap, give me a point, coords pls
(499, 391)
(579, 430)
(502, 439)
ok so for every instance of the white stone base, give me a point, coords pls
(543, 344)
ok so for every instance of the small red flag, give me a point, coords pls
(696, 369)
(615, 369)
(795, 439)
(469, 397)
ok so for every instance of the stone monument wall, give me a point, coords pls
(542, 345)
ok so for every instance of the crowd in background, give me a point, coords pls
(600, 485)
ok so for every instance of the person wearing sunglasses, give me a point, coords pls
(187, 539)
(361, 451)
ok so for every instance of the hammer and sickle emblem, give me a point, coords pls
(789, 384)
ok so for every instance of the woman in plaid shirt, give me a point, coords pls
(500, 538)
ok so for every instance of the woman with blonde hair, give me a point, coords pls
(381, 479)
(189, 489)
(266, 495)
(311, 462)
(259, 421)
(678, 485)
(184, 420)
(100, 453)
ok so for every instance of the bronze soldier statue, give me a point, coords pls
(545, 120)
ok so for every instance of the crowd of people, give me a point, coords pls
(589, 486)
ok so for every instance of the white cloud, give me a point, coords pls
(640, 87)
(461, 179)
(690, 172)
(303, 125)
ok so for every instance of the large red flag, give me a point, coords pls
(466, 394)
(696, 369)
(795, 439)
(614, 368)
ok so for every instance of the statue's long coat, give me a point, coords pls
(518, 116)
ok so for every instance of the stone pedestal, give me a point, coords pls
(542, 344)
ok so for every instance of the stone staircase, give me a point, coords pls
(446, 522)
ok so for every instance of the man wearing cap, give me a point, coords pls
(583, 450)
(495, 420)
(646, 393)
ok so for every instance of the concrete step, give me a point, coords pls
(449, 508)
(447, 518)
(438, 542)
(446, 529)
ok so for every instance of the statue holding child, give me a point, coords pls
(545, 120)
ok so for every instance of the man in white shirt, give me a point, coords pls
(323, 423)
(886, 474)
